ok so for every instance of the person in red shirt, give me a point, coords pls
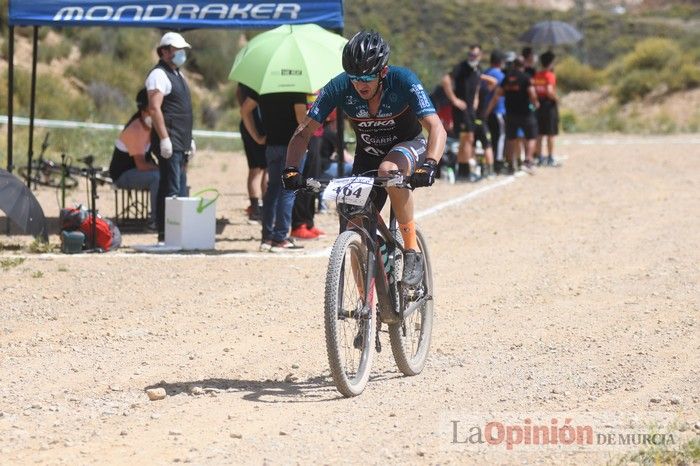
(545, 82)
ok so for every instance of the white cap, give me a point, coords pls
(174, 39)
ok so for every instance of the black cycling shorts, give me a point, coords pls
(254, 152)
(463, 120)
(414, 150)
(482, 134)
(528, 123)
(548, 118)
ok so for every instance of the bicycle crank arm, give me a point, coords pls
(413, 307)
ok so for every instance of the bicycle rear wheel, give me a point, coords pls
(349, 321)
(410, 339)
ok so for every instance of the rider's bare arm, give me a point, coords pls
(436, 136)
(300, 141)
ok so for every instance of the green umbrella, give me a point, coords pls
(289, 58)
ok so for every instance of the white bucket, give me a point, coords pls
(190, 222)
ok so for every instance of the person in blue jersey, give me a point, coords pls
(388, 109)
(496, 120)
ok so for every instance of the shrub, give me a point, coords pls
(636, 84)
(687, 77)
(47, 53)
(653, 54)
(654, 63)
(573, 75)
(54, 98)
(90, 41)
(568, 121)
(212, 54)
(102, 69)
(110, 103)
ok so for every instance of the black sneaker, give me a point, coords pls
(412, 267)
(552, 162)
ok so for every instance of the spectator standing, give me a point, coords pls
(496, 120)
(304, 208)
(281, 114)
(131, 166)
(528, 61)
(521, 103)
(330, 150)
(481, 131)
(253, 136)
(170, 106)
(462, 86)
(545, 82)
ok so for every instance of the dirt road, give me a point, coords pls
(572, 291)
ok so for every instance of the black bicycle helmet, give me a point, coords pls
(366, 53)
(142, 99)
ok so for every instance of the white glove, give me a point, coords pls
(166, 148)
(193, 150)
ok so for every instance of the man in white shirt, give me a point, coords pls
(170, 105)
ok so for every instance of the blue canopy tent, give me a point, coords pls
(162, 14)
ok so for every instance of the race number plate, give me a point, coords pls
(354, 190)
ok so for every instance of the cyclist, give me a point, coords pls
(387, 107)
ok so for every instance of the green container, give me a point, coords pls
(72, 241)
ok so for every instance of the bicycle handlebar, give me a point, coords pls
(393, 180)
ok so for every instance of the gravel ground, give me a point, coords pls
(572, 291)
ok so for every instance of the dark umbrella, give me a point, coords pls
(551, 33)
(20, 205)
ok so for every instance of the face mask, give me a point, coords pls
(148, 121)
(179, 58)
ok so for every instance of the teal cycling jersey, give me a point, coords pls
(403, 103)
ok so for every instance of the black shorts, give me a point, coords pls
(254, 152)
(482, 135)
(463, 120)
(528, 123)
(548, 118)
(414, 150)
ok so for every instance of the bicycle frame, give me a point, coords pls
(368, 222)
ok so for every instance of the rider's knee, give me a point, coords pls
(388, 166)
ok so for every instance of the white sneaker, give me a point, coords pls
(286, 245)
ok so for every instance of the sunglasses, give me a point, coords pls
(365, 78)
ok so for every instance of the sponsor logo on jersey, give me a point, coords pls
(376, 123)
(380, 141)
(374, 151)
(423, 99)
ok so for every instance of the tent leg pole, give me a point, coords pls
(10, 94)
(32, 106)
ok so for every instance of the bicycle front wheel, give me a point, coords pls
(349, 320)
(410, 339)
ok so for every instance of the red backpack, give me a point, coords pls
(108, 236)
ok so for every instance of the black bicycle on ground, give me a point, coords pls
(364, 288)
(46, 172)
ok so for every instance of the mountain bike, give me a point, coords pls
(46, 172)
(364, 288)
